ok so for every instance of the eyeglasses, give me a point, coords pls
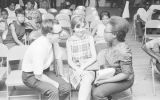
(113, 32)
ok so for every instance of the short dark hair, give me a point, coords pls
(104, 13)
(47, 26)
(120, 26)
(31, 1)
(11, 1)
(19, 11)
(4, 10)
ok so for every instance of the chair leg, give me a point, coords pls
(70, 95)
(131, 90)
(40, 96)
(153, 81)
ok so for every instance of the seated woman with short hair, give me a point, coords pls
(117, 56)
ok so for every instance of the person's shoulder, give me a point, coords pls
(124, 48)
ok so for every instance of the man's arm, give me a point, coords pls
(39, 58)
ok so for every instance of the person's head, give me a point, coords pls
(78, 25)
(146, 5)
(20, 15)
(45, 4)
(30, 4)
(4, 13)
(116, 29)
(104, 16)
(48, 30)
(12, 5)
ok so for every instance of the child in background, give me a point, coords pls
(11, 11)
(3, 25)
(31, 14)
(16, 30)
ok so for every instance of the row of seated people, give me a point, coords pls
(115, 76)
(146, 13)
(13, 29)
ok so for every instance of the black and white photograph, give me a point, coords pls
(79, 49)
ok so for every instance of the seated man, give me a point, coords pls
(152, 48)
(142, 15)
(37, 61)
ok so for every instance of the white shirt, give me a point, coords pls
(143, 14)
(38, 56)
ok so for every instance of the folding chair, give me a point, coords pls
(154, 69)
(65, 23)
(151, 24)
(62, 17)
(3, 62)
(14, 77)
(66, 11)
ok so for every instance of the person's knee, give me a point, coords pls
(65, 89)
(88, 78)
(97, 95)
(52, 92)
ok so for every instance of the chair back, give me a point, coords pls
(62, 17)
(151, 24)
(65, 23)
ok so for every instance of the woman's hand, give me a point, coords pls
(79, 71)
(98, 82)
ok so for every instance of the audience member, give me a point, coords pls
(31, 14)
(117, 56)
(11, 11)
(16, 30)
(81, 57)
(36, 64)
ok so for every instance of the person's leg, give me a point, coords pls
(139, 30)
(64, 87)
(53, 3)
(45, 88)
(86, 85)
(105, 90)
